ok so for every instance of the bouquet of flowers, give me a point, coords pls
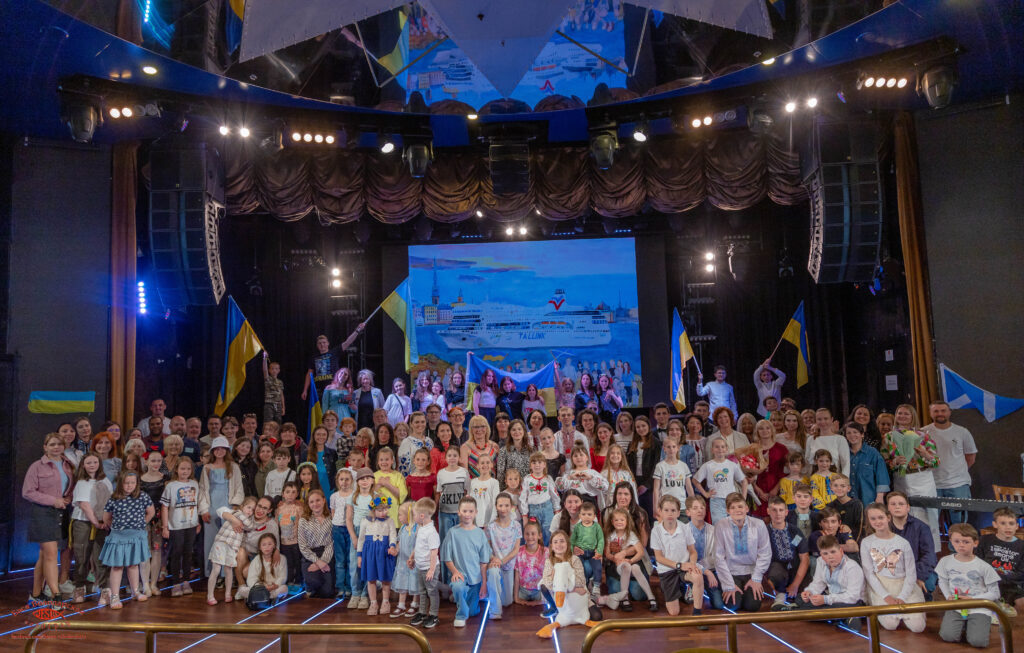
(905, 443)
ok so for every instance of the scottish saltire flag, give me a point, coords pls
(544, 379)
(234, 11)
(398, 306)
(59, 403)
(242, 346)
(681, 353)
(315, 413)
(958, 392)
(796, 334)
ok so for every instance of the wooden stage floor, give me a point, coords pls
(516, 631)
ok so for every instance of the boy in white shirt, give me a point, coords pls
(963, 575)
(281, 474)
(838, 583)
(425, 559)
(676, 557)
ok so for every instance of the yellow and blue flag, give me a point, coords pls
(398, 306)
(315, 414)
(796, 334)
(234, 12)
(681, 353)
(544, 379)
(242, 346)
(59, 403)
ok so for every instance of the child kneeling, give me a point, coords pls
(838, 580)
(676, 556)
(269, 569)
(966, 576)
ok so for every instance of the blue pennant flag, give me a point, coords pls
(958, 392)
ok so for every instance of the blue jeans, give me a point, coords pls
(342, 544)
(714, 594)
(529, 595)
(717, 508)
(467, 597)
(445, 522)
(962, 492)
(544, 513)
(592, 568)
(635, 593)
(355, 582)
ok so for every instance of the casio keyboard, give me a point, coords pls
(970, 505)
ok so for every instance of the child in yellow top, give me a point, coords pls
(389, 482)
(795, 476)
(821, 479)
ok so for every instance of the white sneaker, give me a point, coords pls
(238, 595)
(67, 587)
(459, 623)
(1007, 609)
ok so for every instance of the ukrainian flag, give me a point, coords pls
(398, 306)
(544, 379)
(59, 403)
(242, 347)
(681, 353)
(796, 334)
(234, 11)
(315, 413)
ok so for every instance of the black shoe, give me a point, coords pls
(625, 605)
(220, 583)
(853, 623)
(652, 605)
(430, 622)
(418, 620)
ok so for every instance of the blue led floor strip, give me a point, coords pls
(483, 625)
(252, 616)
(303, 623)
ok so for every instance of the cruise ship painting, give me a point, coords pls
(556, 324)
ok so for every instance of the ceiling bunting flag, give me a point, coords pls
(750, 16)
(958, 392)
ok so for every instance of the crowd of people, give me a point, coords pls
(395, 503)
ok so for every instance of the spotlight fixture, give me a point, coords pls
(640, 131)
(522, 231)
(149, 70)
(695, 123)
(812, 102)
(335, 272)
(329, 139)
(141, 287)
(537, 211)
(709, 256)
(889, 83)
(902, 82)
(707, 120)
(479, 213)
(603, 144)
(710, 267)
(937, 84)
(296, 136)
(509, 231)
(126, 112)
(790, 107)
(769, 61)
(224, 130)
(308, 137)
(81, 118)
(319, 138)
(336, 283)
(471, 116)
(115, 113)
(243, 132)
(387, 146)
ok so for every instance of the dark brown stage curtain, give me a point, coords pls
(732, 170)
(915, 260)
(121, 398)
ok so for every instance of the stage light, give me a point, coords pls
(602, 147)
(479, 213)
(709, 256)
(790, 107)
(707, 120)
(115, 113)
(522, 231)
(319, 138)
(640, 131)
(709, 267)
(329, 139)
(142, 310)
(336, 283)
(149, 70)
(471, 116)
(387, 147)
(126, 112)
(937, 84)
(224, 130)
(890, 82)
(695, 123)
(141, 287)
(769, 61)
(243, 132)
(812, 102)
(509, 231)
(902, 82)
(869, 82)
(418, 156)
(308, 138)
(335, 272)
(296, 136)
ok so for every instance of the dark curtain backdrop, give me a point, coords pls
(731, 170)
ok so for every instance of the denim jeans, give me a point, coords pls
(445, 522)
(342, 544)
(355, 581)
(467, 597)
(544, 513)
(592, 568)
(962, 492)
(529, 595)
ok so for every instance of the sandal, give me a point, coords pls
(372, 610)
(385, 607)
(115, 603)
(412, 612)
(211, 601)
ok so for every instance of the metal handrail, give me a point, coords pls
(284, 631)
(871, 612)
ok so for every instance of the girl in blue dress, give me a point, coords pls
(378, 548)
(127, 512)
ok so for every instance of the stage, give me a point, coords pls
(518, 626)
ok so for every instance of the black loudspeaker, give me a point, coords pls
(186, 202)
(844, 183)
(510, 167)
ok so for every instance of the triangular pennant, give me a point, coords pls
(750, 16)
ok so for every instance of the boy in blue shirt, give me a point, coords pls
(790, 556)
(466, 554)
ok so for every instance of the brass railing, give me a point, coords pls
(870, 612)
(284, 631)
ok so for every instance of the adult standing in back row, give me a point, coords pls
(768, 382)
(957, 453)
(718, 392)
(327, 361)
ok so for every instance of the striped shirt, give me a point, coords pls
(315, 533)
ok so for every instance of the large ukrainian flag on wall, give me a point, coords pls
(544, 379)
(59, 403)
(398, 306)
(242, 347)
